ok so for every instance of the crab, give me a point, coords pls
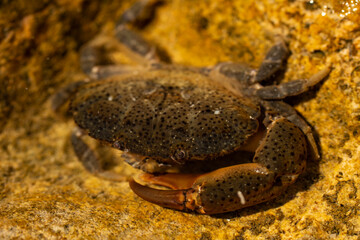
(215, 139)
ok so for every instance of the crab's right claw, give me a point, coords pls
(222, 190)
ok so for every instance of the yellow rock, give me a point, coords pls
(45, 192)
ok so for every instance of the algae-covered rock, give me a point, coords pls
(46, 193)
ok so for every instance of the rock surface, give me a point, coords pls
(46, 193)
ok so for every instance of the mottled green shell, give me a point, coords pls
(167, 115)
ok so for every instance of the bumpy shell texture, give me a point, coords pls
(168, 115)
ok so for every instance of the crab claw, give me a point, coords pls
(222, 190)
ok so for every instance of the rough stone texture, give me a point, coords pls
(46, 193)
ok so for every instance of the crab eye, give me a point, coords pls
(118, 145)
(179, 155)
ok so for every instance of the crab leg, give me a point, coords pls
(292, 88)
(94, 56)
(285, 110)
(273, 63)
(96, 62)
(133, 43)
(62, 96)
(278, 161)
(140, 13)
(89, 159)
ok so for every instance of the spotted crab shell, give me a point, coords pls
(167, 115)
